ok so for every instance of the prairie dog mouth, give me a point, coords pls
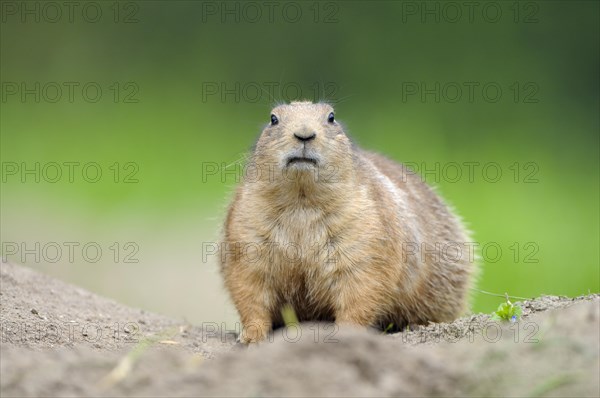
(301, 160)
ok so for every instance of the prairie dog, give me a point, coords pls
(338, 233)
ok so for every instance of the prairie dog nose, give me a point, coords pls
(305, 135)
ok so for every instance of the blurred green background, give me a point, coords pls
(186, 97)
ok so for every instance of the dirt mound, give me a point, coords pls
(60, 340)
(38, 312)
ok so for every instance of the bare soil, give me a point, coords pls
(60, 340)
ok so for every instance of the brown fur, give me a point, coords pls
(337, 240)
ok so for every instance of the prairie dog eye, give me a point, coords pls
(274, 120)
(330, 118)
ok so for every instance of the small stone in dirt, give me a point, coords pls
(34, 311)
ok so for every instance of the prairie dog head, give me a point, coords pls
(303, 143)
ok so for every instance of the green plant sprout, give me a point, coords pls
(289, 315)
(388, 328)
(507, 311)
